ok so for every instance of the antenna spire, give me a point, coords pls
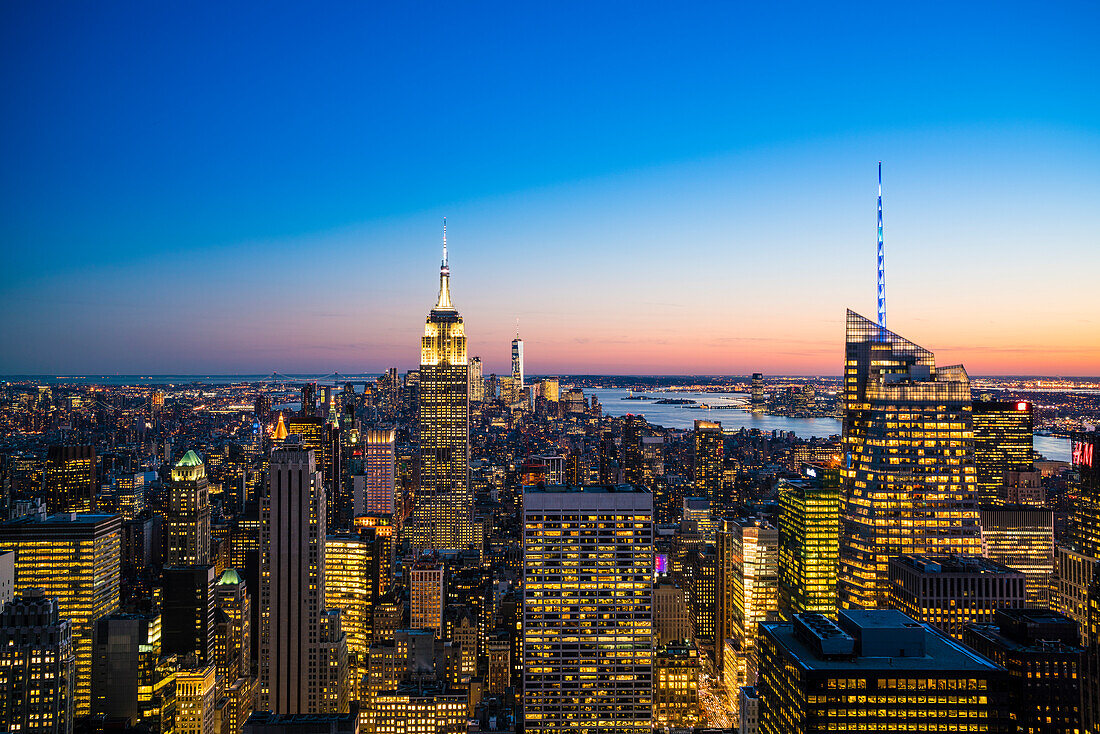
(444, 242)
(881, 258)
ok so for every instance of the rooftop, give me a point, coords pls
(953, 564)
(586, 489)
(940, 651)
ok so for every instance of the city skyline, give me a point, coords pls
(708, 207)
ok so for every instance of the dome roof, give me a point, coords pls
(230, 578)
(190, 459)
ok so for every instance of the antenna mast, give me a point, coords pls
(881, 258)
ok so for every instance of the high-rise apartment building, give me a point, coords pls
(909, 477)
(951, 592)
(1022, 538)
(708, 461)
(380, 470)
(1040, 650)
(476, 380)
(69, 478)
(588, 560)
(442, 514)
(1002, 444)
(188, 513)
(875, 671)
(426, 595)
(292, 583)
(809, 542)
(37, 667)
(75, 559)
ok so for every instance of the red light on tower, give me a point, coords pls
(1021, 406)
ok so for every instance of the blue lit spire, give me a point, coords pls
(881, 258)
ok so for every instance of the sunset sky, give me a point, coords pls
(648, 187)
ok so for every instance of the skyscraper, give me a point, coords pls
(188, 618)
(757, 399)
(875, 670)
(441, 518)
(76, 560)
(1002, 444)
(476, 381)
(426, 595)
(708, 462)
(379, 466)
(36, 667)
(188, 513)
(70, 478)
(909, 477)
(587, 609)
(1022, 537)
(517, 367)
(809, 540)
(292, 582)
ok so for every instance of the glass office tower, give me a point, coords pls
(909, 475)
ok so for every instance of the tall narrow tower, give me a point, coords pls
(441, 518)
(517, 364)
(881, 258)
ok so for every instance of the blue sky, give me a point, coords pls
(647, 187)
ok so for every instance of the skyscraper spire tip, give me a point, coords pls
(444, 241)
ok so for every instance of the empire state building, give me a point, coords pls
(442, 514)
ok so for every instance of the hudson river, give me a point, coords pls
(683, 416)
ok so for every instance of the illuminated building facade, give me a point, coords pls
(701, 578)
(69, 478)
(951, 592)
(292, 583)
(1002, 443)
(909, 477)
(1077, 560)
(1040, 650)
(195, 699)
(442, 513)
(418, 708)
(809, 542)
(708, 461)
(233, 649)
(189, 513)
(875, 670)
(517, 367)
(751, 560)
(37, 667)
(475, 380)
(333, 681)
(426, 595)
(676, 687)
(1022, 538)
(349, 586)
(671, 613)
(588, 565)
(757, 396)
(380, 467)
(76, 560)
